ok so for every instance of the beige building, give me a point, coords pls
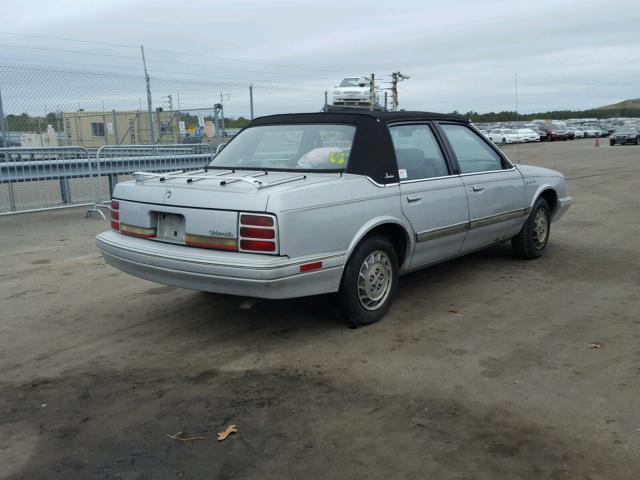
(94, 129)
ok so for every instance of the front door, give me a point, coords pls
(433, 199)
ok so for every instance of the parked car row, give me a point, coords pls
(620, 132)
(503, 136)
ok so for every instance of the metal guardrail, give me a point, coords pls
(42, 178)
(35, 179)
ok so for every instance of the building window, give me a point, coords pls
(97, 129)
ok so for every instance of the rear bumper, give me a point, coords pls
(232, 273)
(563, 206)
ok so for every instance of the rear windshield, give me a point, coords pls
(289, 147)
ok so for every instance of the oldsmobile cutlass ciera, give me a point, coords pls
(342, 203)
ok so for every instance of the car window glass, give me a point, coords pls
(473, 154)
(418, 153)
(289, 147)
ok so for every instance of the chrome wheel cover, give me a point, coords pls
(374, 280)
(540, 228)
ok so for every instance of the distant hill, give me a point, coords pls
(632, 103)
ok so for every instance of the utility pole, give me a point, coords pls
(395, 78)
(251, 101)
(170, 99)
(3, 126)
(152, 135)
(516, 83)
(372, 91)
(394, 91)
(222, 98)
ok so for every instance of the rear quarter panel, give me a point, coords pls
(332, 217)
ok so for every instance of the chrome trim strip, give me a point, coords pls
(497, 218)
(442, 232)
(512, 169)
(404, 182)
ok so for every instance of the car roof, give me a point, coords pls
(349, 116)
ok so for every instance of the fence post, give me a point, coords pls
(115, 127)
(326, 100)
(152, 135)
(3, 125)
(65, 191)
(251, 99)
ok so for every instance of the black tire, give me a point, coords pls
(504, 141)
(612, 144)
(527, 244)
(637, 142)
(349, 298)
(586, 135)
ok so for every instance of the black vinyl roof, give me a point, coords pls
(372, 152)
(350, 116)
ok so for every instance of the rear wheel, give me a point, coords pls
(504, 141)
(369, 281)
(532, 240)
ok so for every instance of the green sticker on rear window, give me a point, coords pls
(337, 158)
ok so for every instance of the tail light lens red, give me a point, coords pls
(248, 232)
(257, 220)
(115, 215)
(258, 233)
(257, 245)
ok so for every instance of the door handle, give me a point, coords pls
(477, 188)
(413, 198)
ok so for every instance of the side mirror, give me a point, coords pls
(220, 148)
(363, 82)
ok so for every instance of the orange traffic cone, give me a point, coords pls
(597, 144)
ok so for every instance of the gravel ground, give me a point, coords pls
(481, 370)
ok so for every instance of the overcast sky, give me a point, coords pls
(461, 55)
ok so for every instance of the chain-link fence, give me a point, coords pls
(68, 135)
(49, 107)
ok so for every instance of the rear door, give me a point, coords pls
(495, 189)
(433, 198)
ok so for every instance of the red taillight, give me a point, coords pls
(115, 215)
(257, 245)
(258, 233)
(256, 220)
(248, 232)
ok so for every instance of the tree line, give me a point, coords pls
(510, 116)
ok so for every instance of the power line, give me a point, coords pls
(264, 84)
(152, 59)
(177, 52)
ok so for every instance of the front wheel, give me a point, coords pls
(504, 141)
(532, 240)
(369, 281)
